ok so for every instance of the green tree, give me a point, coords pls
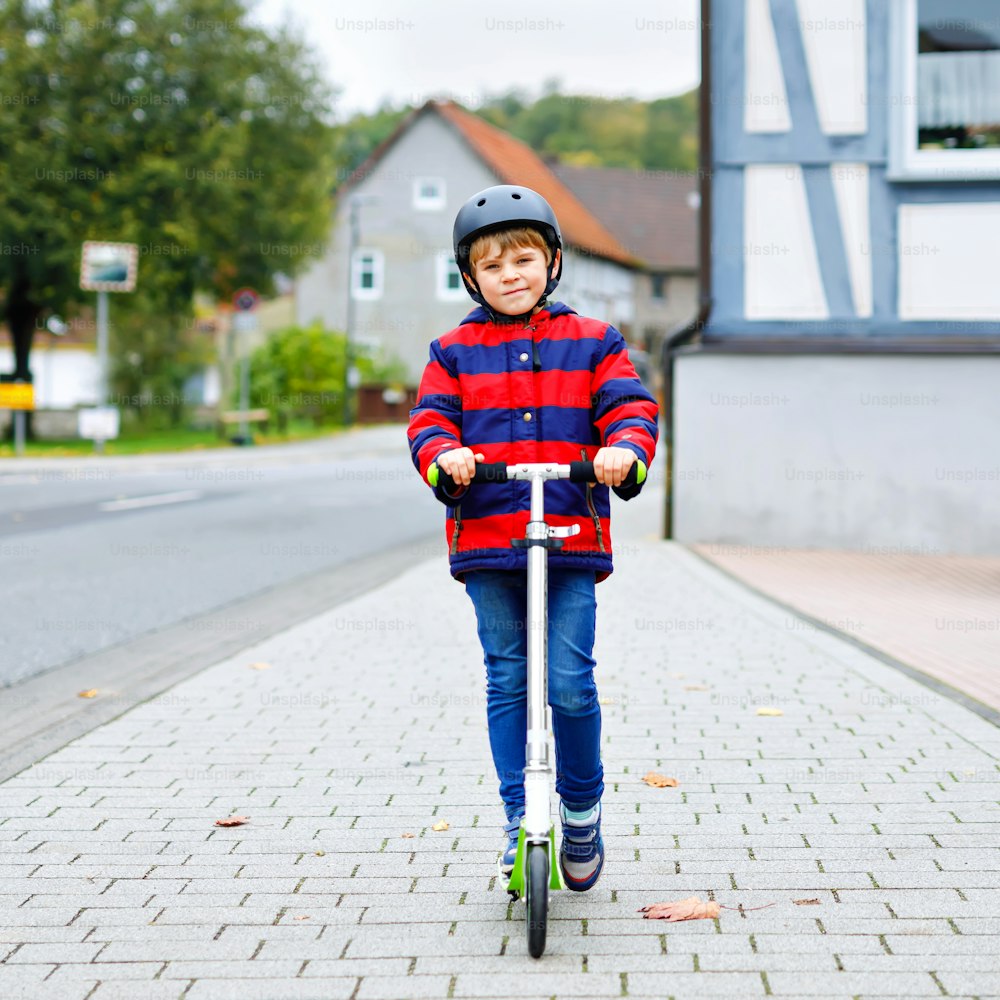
(154, 353)
(174, 124)
(600, 131)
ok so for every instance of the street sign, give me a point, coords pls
(100, 423)
(245, 300)
(109, 267)
(244, 322)
(17, 396)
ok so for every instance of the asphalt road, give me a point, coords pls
(98, 552)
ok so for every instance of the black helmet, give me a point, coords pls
(505, 206)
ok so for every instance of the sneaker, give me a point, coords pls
(581, 856)
(506, 861)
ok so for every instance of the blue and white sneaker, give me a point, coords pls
(505, 863)
(581, 856)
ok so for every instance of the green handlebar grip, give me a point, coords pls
(432, 474)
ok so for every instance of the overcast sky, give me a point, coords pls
(408, 53)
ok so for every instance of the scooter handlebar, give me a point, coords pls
(496, 472)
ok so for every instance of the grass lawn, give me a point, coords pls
(135, 442)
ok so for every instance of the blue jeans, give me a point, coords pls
(500, 598)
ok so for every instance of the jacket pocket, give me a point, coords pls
(457, 531)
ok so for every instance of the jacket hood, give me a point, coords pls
(480, 315)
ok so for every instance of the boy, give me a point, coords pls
(523, 380)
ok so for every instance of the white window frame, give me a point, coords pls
(358, 292)
(444, 266)
(423, 203)
(906, 161)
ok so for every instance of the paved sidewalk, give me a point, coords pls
(939, 614)
(870, 794)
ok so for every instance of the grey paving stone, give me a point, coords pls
(205, 967)
(527, 982)
(56, 991)
(256, 989)
(724, 984)
(99, 971)
(160, 990)
(897, 984)
(53, 952)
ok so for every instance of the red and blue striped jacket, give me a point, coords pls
(555, 389)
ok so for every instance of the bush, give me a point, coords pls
(300, 373)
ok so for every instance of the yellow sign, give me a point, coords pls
(17, 396)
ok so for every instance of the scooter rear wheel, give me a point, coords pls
(537, 898)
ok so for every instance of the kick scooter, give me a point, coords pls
(536, 867)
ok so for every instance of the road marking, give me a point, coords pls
(152, 501)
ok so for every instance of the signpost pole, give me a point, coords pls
(245, 303)
(102, 359)
(104, 267)
(19, 422)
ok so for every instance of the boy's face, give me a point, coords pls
(513, 280)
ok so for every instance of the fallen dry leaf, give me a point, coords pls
(321, 854)
(260, 666)
(441, 824)
(769, 710)
(232, 821)
(91, 693)
(681, 909)
(805, 902)
(300, 918)
(655, 780)
(696, 687)
(407, 836)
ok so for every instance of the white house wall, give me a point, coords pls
(870, 453)
(596, 288)
(850, 186)
(847, 438)
(765, 105)
(948, 261)
(834, 38)
(782, 278)
(810, 84)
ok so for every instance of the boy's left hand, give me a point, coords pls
(611, 465)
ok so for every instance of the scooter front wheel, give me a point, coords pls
(537, 897)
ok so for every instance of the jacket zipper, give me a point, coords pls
(593, 509)
(457, 531)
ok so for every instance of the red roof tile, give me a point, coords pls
(650, 211)
(514, 162)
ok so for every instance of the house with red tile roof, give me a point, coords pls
(390, 237)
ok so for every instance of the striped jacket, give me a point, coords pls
(553, 390)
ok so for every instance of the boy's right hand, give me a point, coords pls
(460, 464)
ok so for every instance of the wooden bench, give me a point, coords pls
(261, 417)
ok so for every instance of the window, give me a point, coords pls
(428, 194)
(450, 287)
(944, 101)
(658, 287)
(367, 274)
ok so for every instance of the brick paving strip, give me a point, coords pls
(939, 614)
(870, 793)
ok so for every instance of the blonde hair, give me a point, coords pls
(507, 239)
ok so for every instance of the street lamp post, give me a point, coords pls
(353, 241)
